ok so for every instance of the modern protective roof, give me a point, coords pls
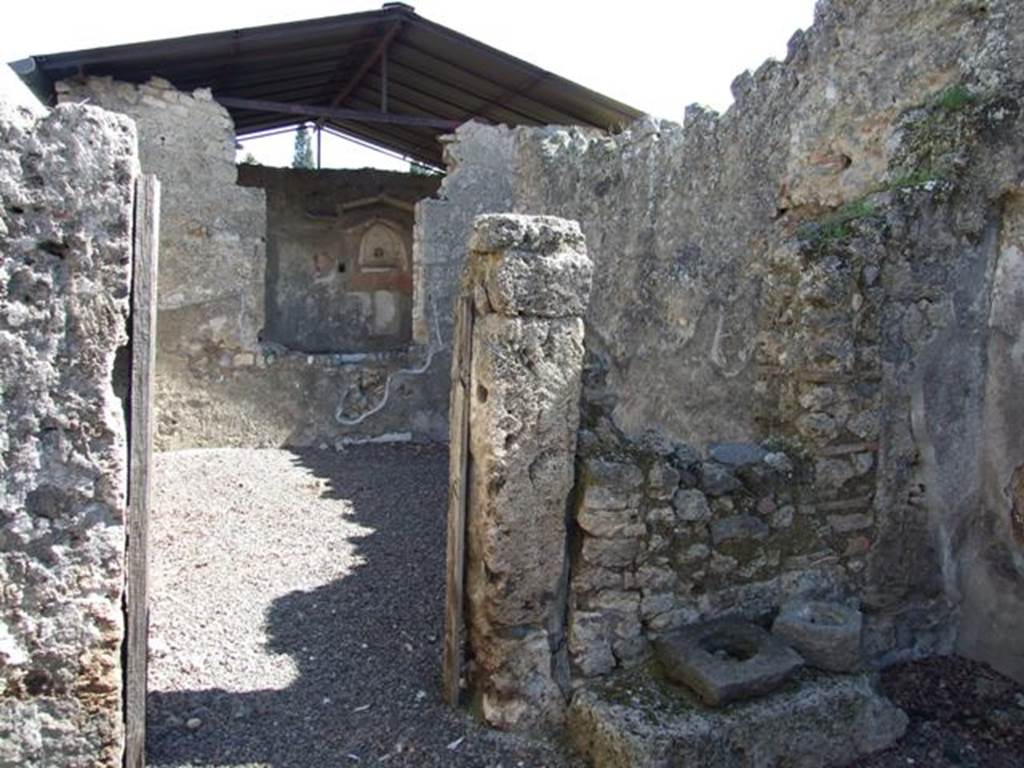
(389, 77)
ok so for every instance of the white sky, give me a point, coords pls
(656, 56)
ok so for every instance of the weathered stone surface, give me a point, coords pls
(590, 643)
(520, 690)
(737, 454)
(826, 634)
(540, 268)
(718, 480)
(663, 481)
(611, 553)
(611, 485)
(725, 660)
(611, 523)
(691, 506)
(819, 263)
(818, 721)
(66, 190)
(524, 415)
(738, 527)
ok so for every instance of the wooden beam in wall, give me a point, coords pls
(458, 482)
(140, 458)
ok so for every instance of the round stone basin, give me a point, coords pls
(826, 634)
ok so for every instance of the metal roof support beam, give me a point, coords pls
(364, 69)
(384, 81)
(355, 115)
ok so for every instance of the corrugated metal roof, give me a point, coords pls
(433, 73)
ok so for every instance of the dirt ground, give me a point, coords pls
(296, 617)
(962, 715)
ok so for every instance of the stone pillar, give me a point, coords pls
(530, 279)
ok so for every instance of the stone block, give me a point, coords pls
(826, 634)
(653, 577)
(590, 643)
(849, 523)
(738, 527)
(657, 603)
(589, 578)
(662, 481)
(520, 691)
(661, 516)
(532, 266)
(726, 660)
(691, 506)
(737, 454)
(718, 479)
(606, 473)
(611, 523)
(611, 553)
(610, 497)
(818, 721)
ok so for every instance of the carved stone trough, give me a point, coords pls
(725, 660)
(826, 634)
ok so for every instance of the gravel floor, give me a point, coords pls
(297, 604)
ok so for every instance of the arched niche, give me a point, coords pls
(382, 248)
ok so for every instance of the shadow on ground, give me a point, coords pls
(367, 647)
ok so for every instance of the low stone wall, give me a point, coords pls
(665, 537)
(66, 192)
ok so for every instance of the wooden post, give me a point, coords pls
(458, 470)
(140, 454)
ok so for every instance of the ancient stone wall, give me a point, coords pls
(66, 191)
(219, 382)
(825, 268)
(326, 290)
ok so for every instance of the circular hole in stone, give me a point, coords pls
(481, 393)
(729, 648)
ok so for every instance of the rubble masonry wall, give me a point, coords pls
(827, 271)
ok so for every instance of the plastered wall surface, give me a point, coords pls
(825, 268)
(339, 256)
(66, 191)
(240, 360)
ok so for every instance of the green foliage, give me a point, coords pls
(954, 98)
(302, 156)
(838, 225)
(250, 159)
